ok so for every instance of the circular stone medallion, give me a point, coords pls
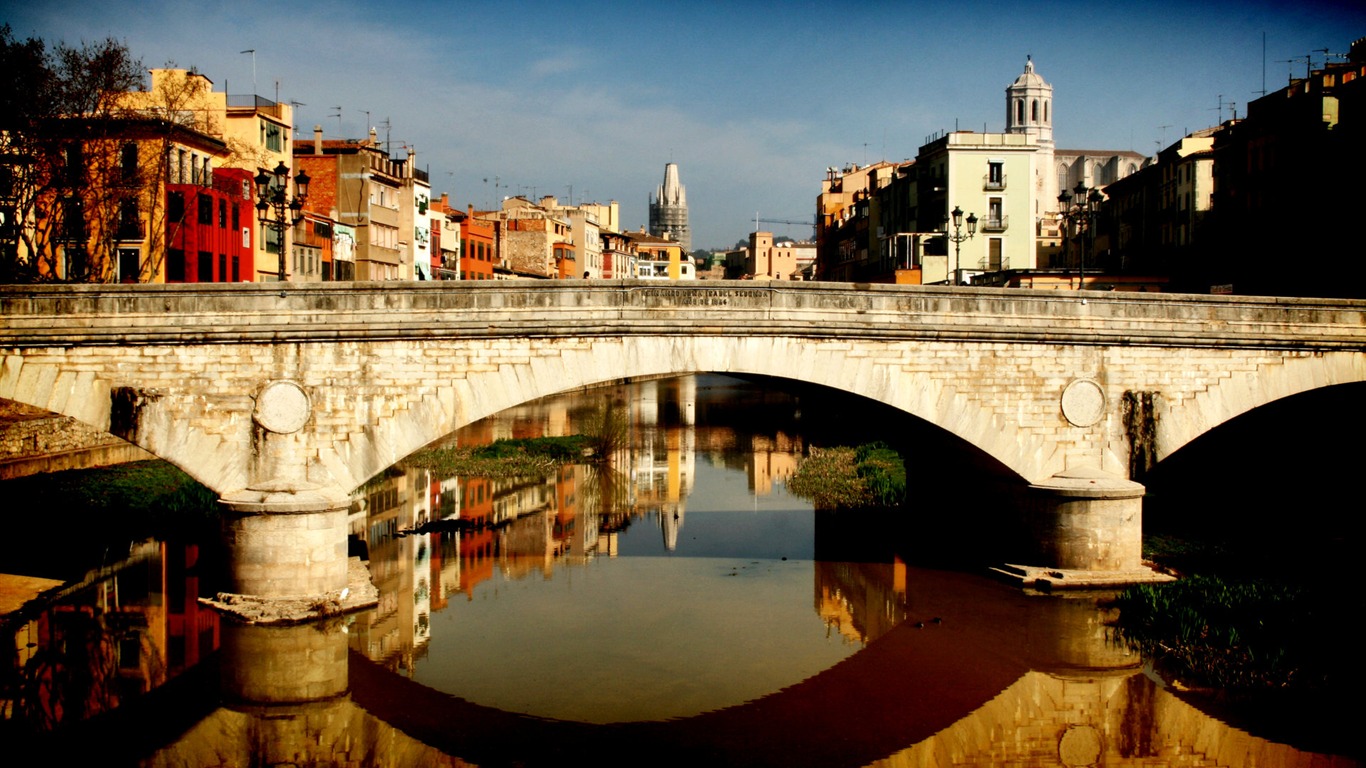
(283, 407)
(1083, 402)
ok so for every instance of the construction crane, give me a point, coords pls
(811, 222)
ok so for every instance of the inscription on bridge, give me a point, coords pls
(705, 297)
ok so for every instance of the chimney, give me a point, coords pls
(317, 139)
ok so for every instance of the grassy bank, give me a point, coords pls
(528, 457)
(61, 524)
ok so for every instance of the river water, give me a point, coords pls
(676, 605)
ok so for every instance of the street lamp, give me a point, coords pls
(1082, 216)
(958, 238)
(272, 203)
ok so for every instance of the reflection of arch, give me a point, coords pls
(869, 706)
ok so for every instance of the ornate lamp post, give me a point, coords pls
(272, 203)
(1082, 217)
(958, 238)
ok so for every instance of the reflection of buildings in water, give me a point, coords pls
(661, 471)
(772, 459)
(110, 638)
(861, 600)
(395, 631)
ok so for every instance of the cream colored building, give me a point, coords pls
(991, 177)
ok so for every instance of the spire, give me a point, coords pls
(669, 208)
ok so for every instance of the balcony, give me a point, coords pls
(130, 230)
(994, 183)
(998, 224)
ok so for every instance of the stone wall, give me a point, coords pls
(33, 440)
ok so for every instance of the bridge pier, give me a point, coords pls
(287, 560)
(1086, 528)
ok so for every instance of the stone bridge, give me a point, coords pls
(283, 399)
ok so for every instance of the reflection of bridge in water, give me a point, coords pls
(1005, 678)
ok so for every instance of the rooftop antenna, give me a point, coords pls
(366, 129)
(252, 51)
(294, 105)
(1263, 92)
(339, 120)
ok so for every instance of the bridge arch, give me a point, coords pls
(823, 363)
(1181, 419)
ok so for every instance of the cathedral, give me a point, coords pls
(669, 210)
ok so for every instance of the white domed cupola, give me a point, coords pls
(1029, 105)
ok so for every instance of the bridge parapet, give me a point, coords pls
(228, 313)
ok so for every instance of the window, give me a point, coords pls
(130, 224)
(270, 239)
(271, 137)
(236, 269)
(73, 218)
(222, 267)
(996, 176)
(129, 267)
(222, 214)
(175, 265)
(175, 207)
(128, 163)
(1019, 111)
(994, 254)
(74, 171)
(204, 205)
(205, 267)
(1034, 111)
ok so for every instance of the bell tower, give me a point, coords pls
(1029, 106)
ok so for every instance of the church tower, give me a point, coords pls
(1029, 106)
(669, 209)
(1029, 111)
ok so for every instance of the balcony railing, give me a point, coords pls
(130, 230)
(994, 184)
(993, 265)
(995, 225)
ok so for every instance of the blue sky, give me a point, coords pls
(752, 100)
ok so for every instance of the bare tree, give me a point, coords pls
(62, 144)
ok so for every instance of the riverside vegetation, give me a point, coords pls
(869, 476)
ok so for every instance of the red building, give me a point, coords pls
(209, 229)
